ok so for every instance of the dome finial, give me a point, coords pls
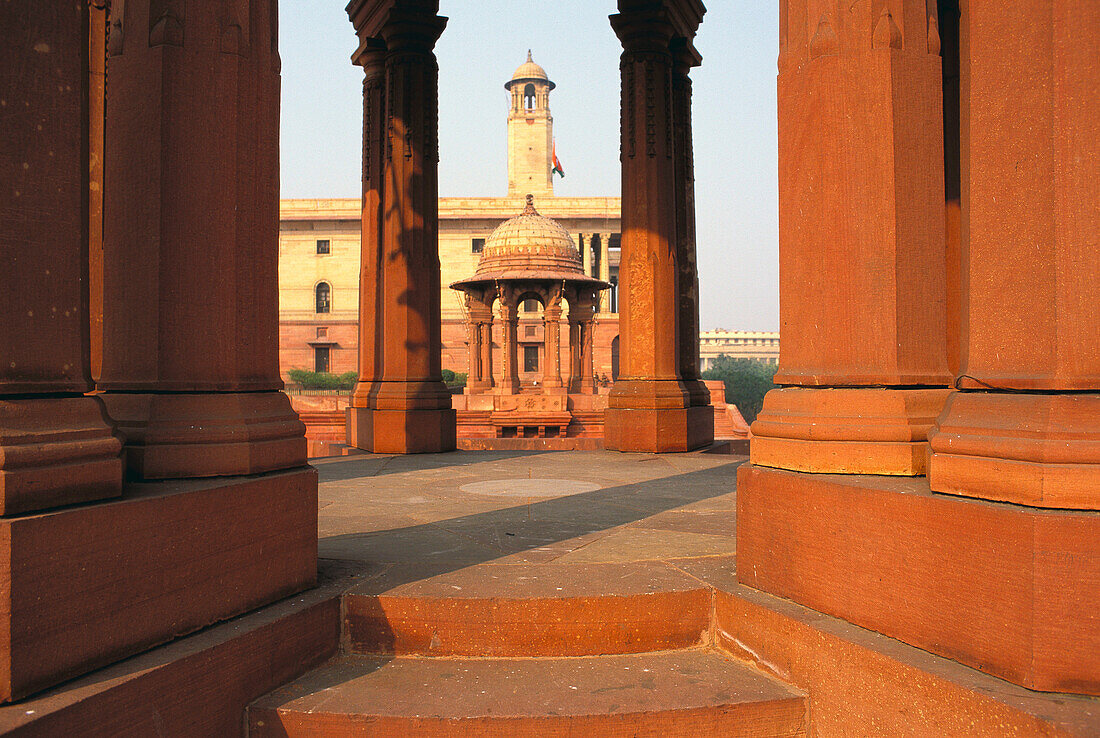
(530, 209)
(529, 55)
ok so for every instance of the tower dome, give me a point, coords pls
(529, 71)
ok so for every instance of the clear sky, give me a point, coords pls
(485, 40)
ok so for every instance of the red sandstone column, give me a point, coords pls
(479, 324)
(97, 61)
(684, 58)
(473, 347)
(551, 376)
(509, 318)
(371, 56)
(56, 446)
(574, 352)
(486, 328)
(604, 299)
(411, 410)
(190, 310)
(588, 373)
(650, 406)
(1025, 425)
(861, 241)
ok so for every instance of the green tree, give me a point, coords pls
(747, 380)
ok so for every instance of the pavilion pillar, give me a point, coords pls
(605, 271)
(410, 409)
(861, 243)
(586, 254)
(372, 58)
(687, 273)
(509, 318)
(473, 345)
(574, 353)
(1024, 426)
(649, 408)
(581, 328)
(56, 445)
(479, 324)
(190, 295)
(588, 372)
(486, 328)
(551, 375)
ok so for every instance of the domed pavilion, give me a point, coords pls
(530, 257)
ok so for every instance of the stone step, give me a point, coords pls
(674, 693)
(531, 610)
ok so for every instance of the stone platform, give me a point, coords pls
(539, 593)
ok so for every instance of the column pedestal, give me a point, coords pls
(657, 430)
(172, 436)
(1040, 450)
(846, 430)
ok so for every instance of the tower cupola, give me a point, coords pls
(530, 131)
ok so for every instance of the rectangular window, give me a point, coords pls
(530, 358)
(322, 332)
(529, 331)
(320, 359)
(530, 306)
(323, 246)
(477, 245)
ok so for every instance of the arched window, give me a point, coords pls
(529, 97)
(324, 297)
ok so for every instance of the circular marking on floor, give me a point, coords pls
(529, 487)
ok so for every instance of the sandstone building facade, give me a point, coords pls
(760, 345)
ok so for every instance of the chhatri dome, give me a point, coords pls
(530, 246)
(529, 71)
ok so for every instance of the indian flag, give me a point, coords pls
(558, 169)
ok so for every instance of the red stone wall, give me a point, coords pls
(295, 351)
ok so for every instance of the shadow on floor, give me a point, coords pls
(344, 468)
(550, 527)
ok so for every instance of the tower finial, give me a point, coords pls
(530, 209)
(529, 55)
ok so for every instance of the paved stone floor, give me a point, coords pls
(576, 519)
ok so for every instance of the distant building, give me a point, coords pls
(762, 345)
(319, 247)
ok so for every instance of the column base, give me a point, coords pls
(56, 451)
(87, 586)
(658, 430)
(1030, 449)
(177, 436)
(698, 392)
(401, 431)
(1006, 589)
(846, 430)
